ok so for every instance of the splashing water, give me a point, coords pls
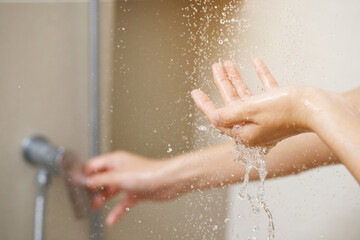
(215, 30)
(254, 158)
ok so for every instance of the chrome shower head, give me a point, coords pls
(37, 150)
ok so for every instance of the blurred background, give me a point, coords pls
(152, 54)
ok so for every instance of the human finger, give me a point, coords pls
(223, 84)
(264, 74)
(206, 106)
(120, 209)
(106, 179)
(99, 164)
(232, 115)
(236, 80)
(104, 196)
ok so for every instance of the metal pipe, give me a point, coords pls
(43, 180)
(52, 160)
(96, 230)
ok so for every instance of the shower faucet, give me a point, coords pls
(38, 151)
(51, 161)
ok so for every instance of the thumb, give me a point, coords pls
(229, 116)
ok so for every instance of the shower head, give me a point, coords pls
(57, 160)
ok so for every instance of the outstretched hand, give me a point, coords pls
(138, 177)
(254, 120)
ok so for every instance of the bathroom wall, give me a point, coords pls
(146, 106)
(43, 90)
(309, 43)
(144, 98)
(150, 112)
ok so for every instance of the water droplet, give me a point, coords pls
(202, 128)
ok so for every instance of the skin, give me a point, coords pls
(141, 178)
(281, 112)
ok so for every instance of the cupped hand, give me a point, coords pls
(138, 177)
(254, 120)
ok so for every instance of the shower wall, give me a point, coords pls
(146, 108)
(147, 105)
(309, 43)
(43, 90)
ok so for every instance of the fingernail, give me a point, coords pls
(228, 63)
(87, 181)
(109, 221)
(192, 93)
(81, 180)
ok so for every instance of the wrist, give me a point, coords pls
(174, 174)
(184, 172)
(310, 105)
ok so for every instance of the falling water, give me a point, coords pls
(254, 158)
(214, 31)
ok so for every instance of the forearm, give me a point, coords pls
(297, 154)
(206, 168)
(215, 166)
(338, 125)
(306, 151)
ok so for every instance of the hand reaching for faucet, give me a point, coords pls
(138, 177)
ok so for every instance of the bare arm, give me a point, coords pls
(215, 166)
(142, 178)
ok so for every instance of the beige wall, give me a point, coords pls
(43, 89)
(313, 43)
(148, 107)
(145, 106)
